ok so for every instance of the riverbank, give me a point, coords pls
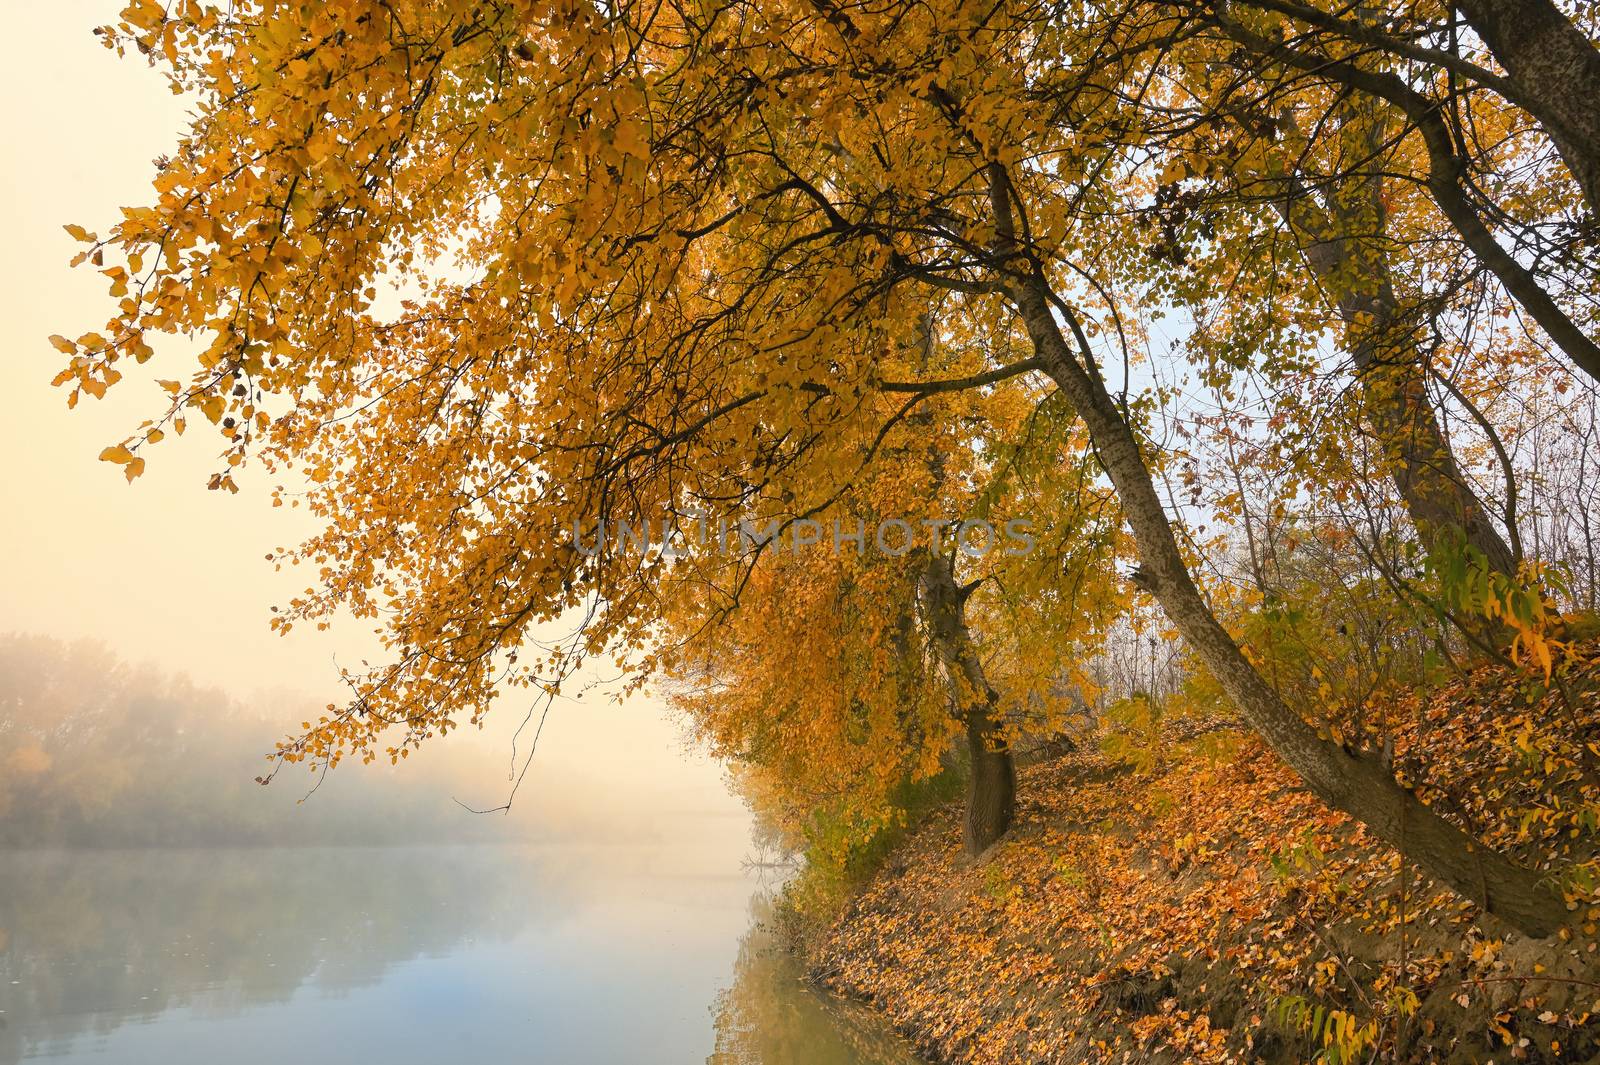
(1217, 912)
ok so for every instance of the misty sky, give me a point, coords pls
(163, 570)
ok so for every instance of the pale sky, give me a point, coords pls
(163, 570)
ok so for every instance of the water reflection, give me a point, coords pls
(93, 940)
(468, 954)
(769, 1016)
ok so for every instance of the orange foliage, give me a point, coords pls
(1206, 910)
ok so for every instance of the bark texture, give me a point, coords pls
(1556, 71)
(1389, 369)
(992, 796)
(992, 790)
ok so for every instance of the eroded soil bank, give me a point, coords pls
(1217, 912)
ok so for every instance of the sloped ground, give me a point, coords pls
(1211, 910)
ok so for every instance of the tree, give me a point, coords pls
(1553, 67)
(992, 795)
(1549, 64)
(687, 244)
(920, 591)
(1343, 249)
(1334, 50)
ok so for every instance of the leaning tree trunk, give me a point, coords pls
(1438, 498)
(992, 789)
(1441, 504)
(1555, 70)
(1358, 782)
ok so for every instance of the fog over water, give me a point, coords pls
(611, 916)
(492, 954)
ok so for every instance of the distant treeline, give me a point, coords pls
(95, 752)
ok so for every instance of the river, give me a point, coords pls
(564, 954)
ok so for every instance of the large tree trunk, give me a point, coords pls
(992, 794)
(1442, 505)
(1359, 783)
(992, 789)
(1556, 71)
(1389, 369)
(1446, 181)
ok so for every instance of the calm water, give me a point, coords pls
(439, 955)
